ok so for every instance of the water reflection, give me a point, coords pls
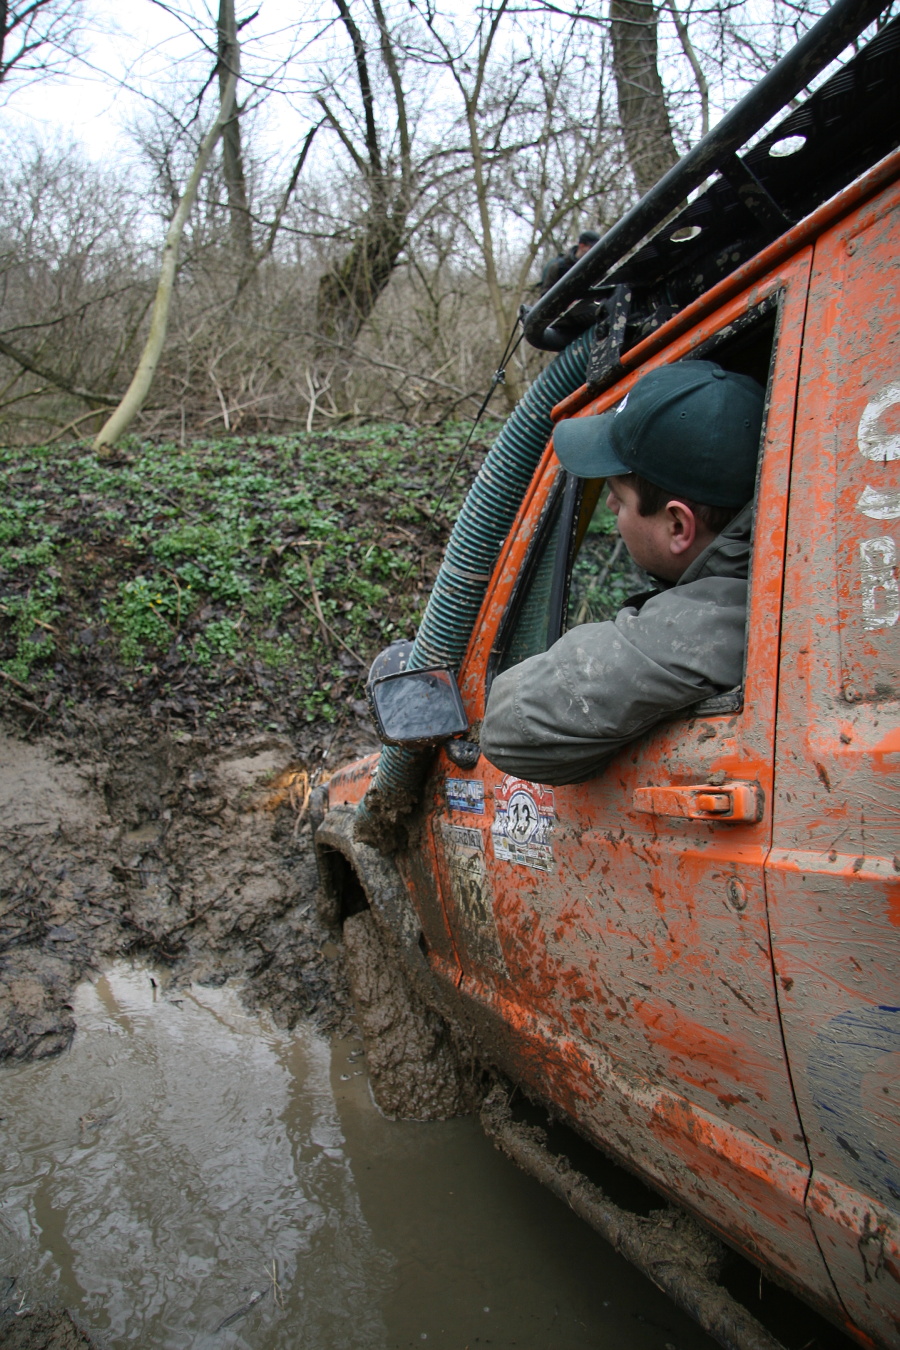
(187, 1176)
(169, 1159)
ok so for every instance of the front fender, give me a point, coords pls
(383, 890)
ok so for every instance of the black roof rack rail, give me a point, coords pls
(846, 125)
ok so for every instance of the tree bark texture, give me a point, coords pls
(349, 290)
(642, 105)
(229, 63)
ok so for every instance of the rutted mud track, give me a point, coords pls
(120, 839)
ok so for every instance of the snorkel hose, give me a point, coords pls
(480, 529)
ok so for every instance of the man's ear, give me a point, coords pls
(683, 527)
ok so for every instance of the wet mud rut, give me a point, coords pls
(126, 842)
(120, 841)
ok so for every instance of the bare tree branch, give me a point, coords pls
(37, 37)
(365, 86)
(693, 60)
(52, 377)
(286, 196)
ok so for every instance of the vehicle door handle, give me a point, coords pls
(732, 803)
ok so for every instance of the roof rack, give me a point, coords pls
(842, 129)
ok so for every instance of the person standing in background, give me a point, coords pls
(558, 266)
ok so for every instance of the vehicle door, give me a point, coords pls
(833, 877)
(620, 946)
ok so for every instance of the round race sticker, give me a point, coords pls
(522, 817)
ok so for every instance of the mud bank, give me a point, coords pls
(42, 1331)
(120, 840)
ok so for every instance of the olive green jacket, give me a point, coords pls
(560, 717)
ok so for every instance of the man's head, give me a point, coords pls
(586, 241)
(679, 453)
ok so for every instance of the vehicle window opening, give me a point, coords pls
(578, 569)
(746, 345)
(603, 575)
(534, 618)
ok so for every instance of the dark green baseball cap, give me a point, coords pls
(691, 428)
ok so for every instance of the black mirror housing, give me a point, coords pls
(418, 708)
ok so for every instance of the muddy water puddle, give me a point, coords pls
(186, 1175)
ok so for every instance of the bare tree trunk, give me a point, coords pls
(229, 53)
(349, 290)
(642, 104)
(503, 314)
(137, 391)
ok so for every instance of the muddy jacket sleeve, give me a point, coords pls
(560, 716)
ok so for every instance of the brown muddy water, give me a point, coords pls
(189, 1175)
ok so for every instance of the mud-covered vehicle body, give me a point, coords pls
(692, 958)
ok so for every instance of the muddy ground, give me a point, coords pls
(154, 765)
(122, 839)
(192, 852)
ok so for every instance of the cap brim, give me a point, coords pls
(583, 446)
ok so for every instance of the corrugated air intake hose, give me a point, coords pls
(480, 529)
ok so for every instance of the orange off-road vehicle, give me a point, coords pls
(691, 959)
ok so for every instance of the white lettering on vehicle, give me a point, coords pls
(879, 505)
(879, 442)
(880, 588)
(878, 557)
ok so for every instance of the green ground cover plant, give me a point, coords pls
(603, 574)
(240, 581)
(254, 577)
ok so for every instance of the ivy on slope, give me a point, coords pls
(250, 579)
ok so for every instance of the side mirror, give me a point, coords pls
(418, 707)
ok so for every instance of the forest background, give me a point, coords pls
(391, 178)
(368, 190)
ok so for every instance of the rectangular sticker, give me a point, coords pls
(473, 925)
(464, 836)
(523, 822)
(466, 794)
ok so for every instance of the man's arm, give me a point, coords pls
(559, 717)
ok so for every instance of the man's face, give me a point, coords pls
(657, 543)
